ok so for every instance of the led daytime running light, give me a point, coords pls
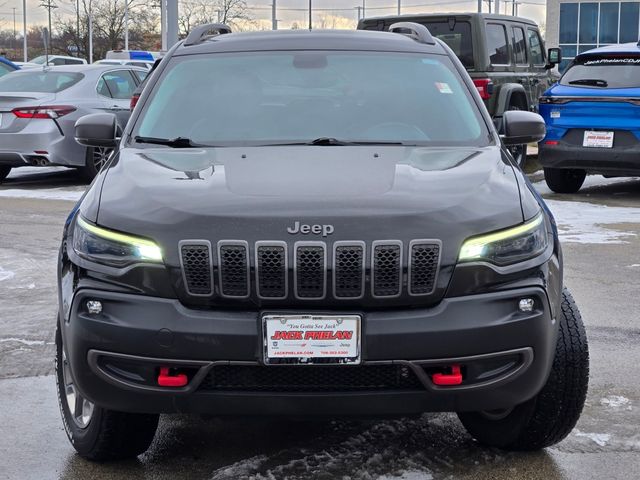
(474, 247)
(147, 249)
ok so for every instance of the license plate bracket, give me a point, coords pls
(597, 139)
(308, 339)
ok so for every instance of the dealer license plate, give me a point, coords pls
(598, 139)
(308, 339)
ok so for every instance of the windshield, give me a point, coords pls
(39, 60)
(38, 81)
(299, 97)
(604, 72)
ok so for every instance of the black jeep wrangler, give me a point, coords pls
(504, 55)
(314, 223)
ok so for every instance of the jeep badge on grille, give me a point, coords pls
(306, 229)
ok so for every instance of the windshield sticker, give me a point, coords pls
(443, 87)
(609, 61)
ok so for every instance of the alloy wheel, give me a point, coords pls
(80, 409)
(100, 156)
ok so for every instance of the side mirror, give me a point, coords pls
(97, 130)
(520, 127)
(555, 57)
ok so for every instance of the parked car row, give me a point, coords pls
(39, 108)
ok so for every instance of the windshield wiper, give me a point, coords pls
(331, 142)
(178, 142)
(596, 82)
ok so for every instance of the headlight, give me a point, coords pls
(508, 246)
(112, 248)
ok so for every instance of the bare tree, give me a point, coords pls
(196, 12)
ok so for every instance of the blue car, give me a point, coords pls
(593, 118)
(6, 66)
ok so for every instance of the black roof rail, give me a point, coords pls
(201, 32)
(414, 30)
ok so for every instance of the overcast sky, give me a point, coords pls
(344, 10)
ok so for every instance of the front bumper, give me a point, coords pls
(506, 354)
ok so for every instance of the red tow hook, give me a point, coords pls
(167, 380)
(448, 379)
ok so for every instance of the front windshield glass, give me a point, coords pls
(297, 97)
(604, 72)
(39, 60)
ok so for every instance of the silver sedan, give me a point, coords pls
(39, 108)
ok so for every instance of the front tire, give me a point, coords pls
(564, 180)
(97, 433)
(4, 172)
(550, 416)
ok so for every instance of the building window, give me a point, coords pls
(629, 13)
(568, 23)
(588, 25)
(608, 30)
(588, 30)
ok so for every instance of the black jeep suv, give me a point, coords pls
(314, 223)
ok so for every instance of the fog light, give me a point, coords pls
(94, 307)
(526, 305)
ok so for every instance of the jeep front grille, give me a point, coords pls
(271, 270)
(310, 270)
(423, 266)
(233, 268)
(386, 260)
(346, 270)
(197, 267)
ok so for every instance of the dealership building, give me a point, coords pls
(578, 26)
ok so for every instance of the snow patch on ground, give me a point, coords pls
(6, 274)
(615, 401)
(580, 222)
(243, 468)
(24, 341)
(43, 194)
(599, 438)
(408, 475)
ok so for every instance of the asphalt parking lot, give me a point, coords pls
(599, 229)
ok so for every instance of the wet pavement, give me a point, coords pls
(599, 228)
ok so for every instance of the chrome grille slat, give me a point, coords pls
(233, 268)
(424, 261)
(197, 267)
(272, 270)
(310, 270)
(386, 265)
(349, 269)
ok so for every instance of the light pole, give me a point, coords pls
(496, 6)
(399, 7)
(310, 16)
(479, 6)
(126, 24)
(359, 8)
(274, 20)
(24, 30)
